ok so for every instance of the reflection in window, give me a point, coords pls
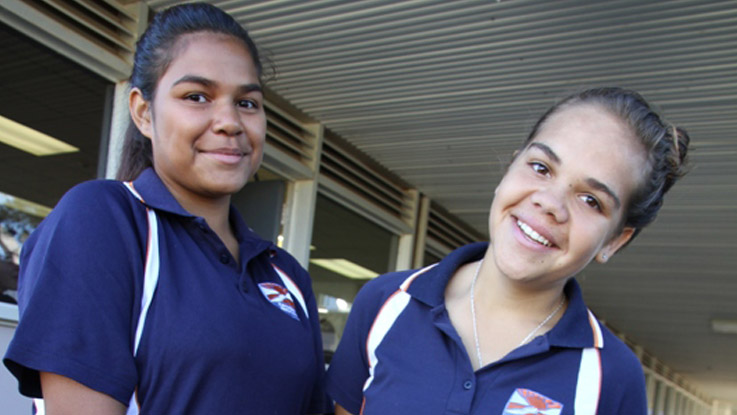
(51, 127)
(347, 251)
(18, 218)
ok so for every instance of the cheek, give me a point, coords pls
(257, 131)
(505, 191)
(592, 237)
(496, 206)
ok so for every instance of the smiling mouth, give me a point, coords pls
(227, 152)
(227, 156)
(527, 230)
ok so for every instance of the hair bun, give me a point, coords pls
(678, 156)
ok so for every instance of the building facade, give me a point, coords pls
(341, 214)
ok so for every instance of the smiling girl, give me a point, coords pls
(152, 290)
(501, 327)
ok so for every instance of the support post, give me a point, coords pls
(406, 243)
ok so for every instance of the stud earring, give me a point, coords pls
(604, 257)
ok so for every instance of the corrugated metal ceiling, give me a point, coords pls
(442, 92)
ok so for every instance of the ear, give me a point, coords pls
(614, 245)
(140, 111)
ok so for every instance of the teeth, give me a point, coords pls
(532, 234)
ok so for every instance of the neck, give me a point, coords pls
(498, 294)
(216, 215)
(508, 315)
(215, 211)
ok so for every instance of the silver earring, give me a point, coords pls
(604, 257)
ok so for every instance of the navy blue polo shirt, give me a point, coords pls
(220, 336)
(400, 354)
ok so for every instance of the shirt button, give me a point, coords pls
(224, 258)
(467, 385)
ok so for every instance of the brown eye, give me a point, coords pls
(540, 168)
(248, 104)
(591, 202)
(196, 98)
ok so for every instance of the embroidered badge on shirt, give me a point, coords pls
(280, 297)
(527, 402)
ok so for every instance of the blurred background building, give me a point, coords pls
(389, 125)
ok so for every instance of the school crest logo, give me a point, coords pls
(527, 402)
(280, 297)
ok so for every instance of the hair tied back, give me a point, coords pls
(675, 138)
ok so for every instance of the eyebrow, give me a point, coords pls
(547, 150)
(590, 181)
(605, 189)
(209, 83)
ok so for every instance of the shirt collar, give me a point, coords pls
(156, 195)
(572, 330)
(430, 288)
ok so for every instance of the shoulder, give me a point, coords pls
(95, 191)
(95, 198)
(622, 378)
(92, 213)
(387, 283)
(618, 361)
(377, 291)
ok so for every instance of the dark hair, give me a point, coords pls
(666, 146)
(155, 51)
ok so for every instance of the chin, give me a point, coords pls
(234, 188)
(228, 183)
(224, 188)
(513, 270)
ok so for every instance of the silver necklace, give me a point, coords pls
(473, 317)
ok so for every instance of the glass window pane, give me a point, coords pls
(60, 106)
(430, 258)
(347, 250)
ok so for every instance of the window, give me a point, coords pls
(59, 107)
(347, 251)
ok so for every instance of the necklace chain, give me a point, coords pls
(473, 317)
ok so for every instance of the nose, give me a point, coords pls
(551, 201)
(227, 119)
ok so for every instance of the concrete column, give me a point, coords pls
(421, 231)
(690, 407)
(298, 218)
(721, 408)
(651, 385)
(299, 207)
(660, 395)
(679, 402)
(670, 401)
(406, 243)
(118, 124)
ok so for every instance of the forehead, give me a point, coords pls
(210, 51)
(592, 142)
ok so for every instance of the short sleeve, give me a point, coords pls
(349, 367)
(77, 292)
(623, 385)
